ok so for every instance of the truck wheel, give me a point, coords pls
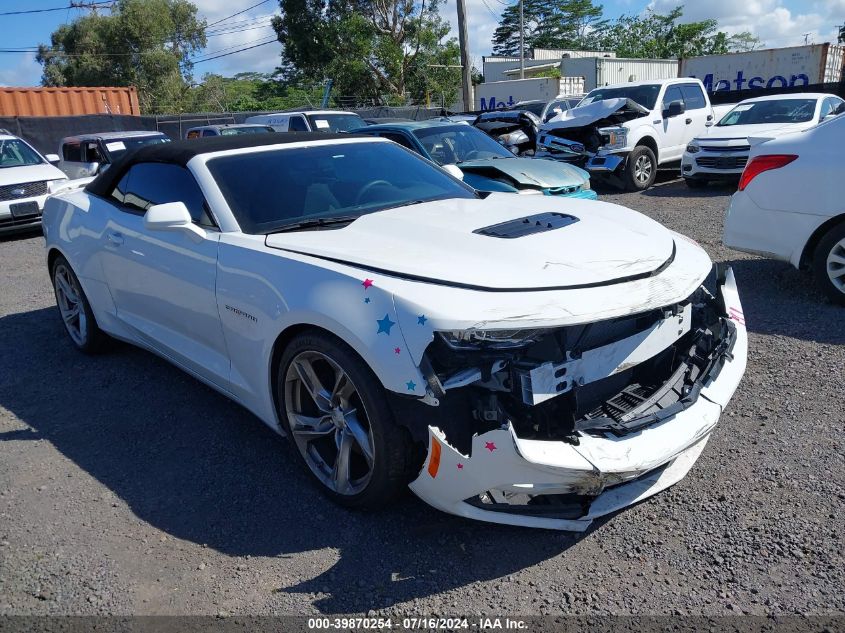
(641, 169)
(829, 264)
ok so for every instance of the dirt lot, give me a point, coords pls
(127, 487)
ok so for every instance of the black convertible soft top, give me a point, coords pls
(180, 152)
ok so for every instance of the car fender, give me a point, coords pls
(262, 294)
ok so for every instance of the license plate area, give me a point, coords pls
(22, 210)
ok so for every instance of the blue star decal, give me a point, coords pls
(385, 324)
(367, 300)
(421, 319)
(411, 385)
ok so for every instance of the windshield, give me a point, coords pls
(117, 147)
(335, 122)
(269, 189)
(762, 112)
(246, 129)
(15, 153)
(455, 144)
(535, 107)
(646, 95)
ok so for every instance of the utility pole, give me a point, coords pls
(521, 43)
(466, 68)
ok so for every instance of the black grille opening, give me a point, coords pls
(23, 190)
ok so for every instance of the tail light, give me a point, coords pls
(759, 164)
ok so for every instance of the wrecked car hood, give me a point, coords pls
(439, 242)
(595, 112)
(529, 172)
(732, 132)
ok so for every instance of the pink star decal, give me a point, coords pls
(490, 446)
(367, 283)
(460, 466)
(397, 350)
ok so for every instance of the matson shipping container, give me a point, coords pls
(769, 68)
(608, 71)
(68, 101)
(503, 94)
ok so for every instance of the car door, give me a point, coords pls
(674, 127)
(696, 112)
(163, 282)
(72, 163)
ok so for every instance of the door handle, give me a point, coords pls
(689, 121)
(116, 239)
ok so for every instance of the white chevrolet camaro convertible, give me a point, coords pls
(512, 358)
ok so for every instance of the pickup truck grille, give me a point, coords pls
(722, 162)
(22, 190)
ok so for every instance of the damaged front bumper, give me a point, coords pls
(566, 483)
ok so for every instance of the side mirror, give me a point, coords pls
(171, 216)
(93, 169)
(454, 170)
(53, 159)
(676, 108)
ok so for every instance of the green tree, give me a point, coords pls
(561, 24)
(661, 36)
(373, 50)
(141, 43)
(745, 41)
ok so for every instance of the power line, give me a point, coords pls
(238, 13)
(208, 59)
(92, 5)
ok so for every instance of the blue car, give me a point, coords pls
(486, 165)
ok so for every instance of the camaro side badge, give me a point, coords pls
(241, 313)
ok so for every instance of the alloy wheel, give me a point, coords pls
(69, 300)
(836, 265)
(642, 169)
(329, 423)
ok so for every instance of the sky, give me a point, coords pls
(776, 22)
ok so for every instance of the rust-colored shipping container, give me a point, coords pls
(68, 101)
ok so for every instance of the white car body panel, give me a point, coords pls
(214, 302)
(781, 209)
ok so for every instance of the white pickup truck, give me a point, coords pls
(624, 132)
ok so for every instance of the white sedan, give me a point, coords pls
(515, 359)
(722, 153)
(790, 205)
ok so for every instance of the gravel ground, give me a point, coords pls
(127, 487)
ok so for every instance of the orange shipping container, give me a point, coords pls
(68, 101)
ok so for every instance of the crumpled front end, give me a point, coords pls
(581, 424)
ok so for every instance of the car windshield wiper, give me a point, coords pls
(315, 223)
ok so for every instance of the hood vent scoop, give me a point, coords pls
(528, 225)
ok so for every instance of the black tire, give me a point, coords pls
(392, 457)
(829, 264)
(695, 183)
(640, 160)
(82, 330)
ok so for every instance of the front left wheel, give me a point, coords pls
(76, 313)
(829, 264)
(337, 417)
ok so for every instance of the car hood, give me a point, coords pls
(439, 242)
(529, 172)
(30, 173)
(730, 132)
(624, 109)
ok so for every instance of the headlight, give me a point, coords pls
(693, 148)
(495, 339)
(586, 185)
(614, 137)
(514, 138)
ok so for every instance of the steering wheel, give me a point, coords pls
(473, 153)
(369, 187)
